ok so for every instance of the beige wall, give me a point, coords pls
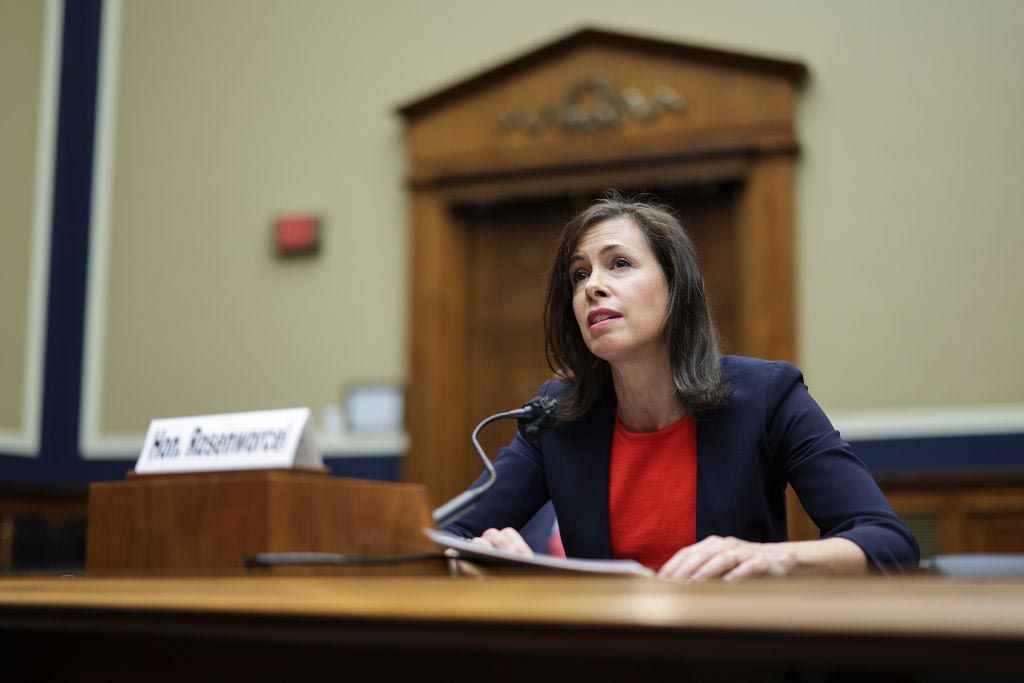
(21, 41)
(910, 202)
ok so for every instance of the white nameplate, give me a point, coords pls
(266, 439)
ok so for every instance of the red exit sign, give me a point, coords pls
(297, 235)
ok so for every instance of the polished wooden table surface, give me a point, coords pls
(565, 623)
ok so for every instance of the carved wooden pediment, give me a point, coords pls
(598, 96)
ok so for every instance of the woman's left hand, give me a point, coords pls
(729, 558)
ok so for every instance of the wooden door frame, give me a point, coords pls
(760, 158)
(438, 315)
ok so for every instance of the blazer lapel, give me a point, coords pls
(596, 497)
(713, 503)
(585, 512)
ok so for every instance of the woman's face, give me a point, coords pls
(620, 295)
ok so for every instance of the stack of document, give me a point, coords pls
(490, 558)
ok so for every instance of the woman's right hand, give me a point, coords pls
(507, 539)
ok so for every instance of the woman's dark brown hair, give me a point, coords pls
(689, 326)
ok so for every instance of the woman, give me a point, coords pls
(666, 452)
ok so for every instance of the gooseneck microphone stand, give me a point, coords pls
(535, 419)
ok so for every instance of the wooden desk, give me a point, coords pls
(564, 628)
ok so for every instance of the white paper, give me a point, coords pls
(474, 551)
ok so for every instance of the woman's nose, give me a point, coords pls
(595, 287)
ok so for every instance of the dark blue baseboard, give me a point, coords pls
(60, 473)
(381, 468)
(946, 454)
(29, 471)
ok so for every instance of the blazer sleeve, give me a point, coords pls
(517, 494)
(834, 486)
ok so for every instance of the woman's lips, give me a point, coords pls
(601, 318)
(601, 324)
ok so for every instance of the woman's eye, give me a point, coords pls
(620, 262)
(578, 275)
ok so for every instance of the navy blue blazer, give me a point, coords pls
(768, 433)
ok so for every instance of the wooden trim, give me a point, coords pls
(35, 502)
(437, 371)
(767, 259)
(955, 512)
(949, 480)
(793, 70)
(573, 154)
(581, 180)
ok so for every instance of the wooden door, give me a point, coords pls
(511, 246)
(707, 211)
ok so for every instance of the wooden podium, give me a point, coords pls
(208, 523)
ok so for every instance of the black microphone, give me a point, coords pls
(536, 418)
(542, 416)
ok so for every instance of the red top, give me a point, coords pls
(652, 492)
